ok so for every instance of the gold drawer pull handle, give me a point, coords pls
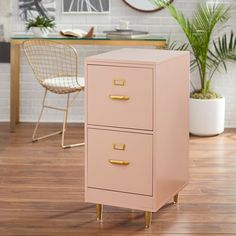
(120, 147)
(119, 82)
(118, 162)
(119, 97)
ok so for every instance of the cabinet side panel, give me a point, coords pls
(171, 128)
(86, 128)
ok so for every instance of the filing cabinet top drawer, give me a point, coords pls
(120, 97)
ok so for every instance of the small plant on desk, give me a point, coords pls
(40, 26)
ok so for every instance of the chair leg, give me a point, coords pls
(65, 125)
(34, 139)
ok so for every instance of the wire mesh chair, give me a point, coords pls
(55, 66)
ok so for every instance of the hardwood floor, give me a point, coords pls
(42, 185)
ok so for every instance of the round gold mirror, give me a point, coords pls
(143, 5)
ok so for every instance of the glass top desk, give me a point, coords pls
(17, 41)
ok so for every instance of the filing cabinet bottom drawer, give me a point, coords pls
(119, 161)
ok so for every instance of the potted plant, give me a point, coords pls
(40, 26)
(209, 54)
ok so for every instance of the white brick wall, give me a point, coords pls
(159, 23)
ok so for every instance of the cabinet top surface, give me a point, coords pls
(134, 55)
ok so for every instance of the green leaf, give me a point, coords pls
(199, 31)
(224, 49)
(41, 22)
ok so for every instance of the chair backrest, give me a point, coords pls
(50, 59)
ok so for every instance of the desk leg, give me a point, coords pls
(15, 77)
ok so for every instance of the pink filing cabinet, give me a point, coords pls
(136, 129)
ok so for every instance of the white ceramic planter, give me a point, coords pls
(207, 116)
(39, 32)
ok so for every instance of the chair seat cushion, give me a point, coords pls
(64, 84)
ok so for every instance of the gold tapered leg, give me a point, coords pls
(148, 219)
(176, 198)
(99, 209)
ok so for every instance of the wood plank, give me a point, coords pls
(42, 190)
